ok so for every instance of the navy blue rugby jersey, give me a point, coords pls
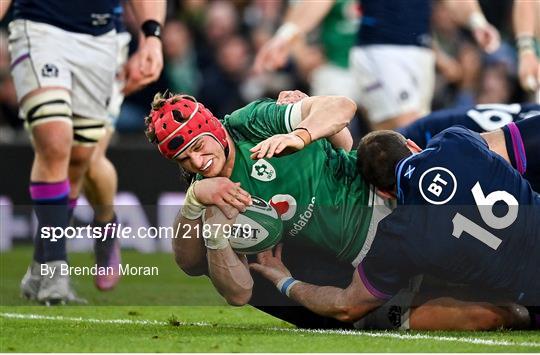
(464, 215)
(395, 22)
(479, 118)
(93, 17)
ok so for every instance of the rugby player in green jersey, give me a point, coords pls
(322, 200)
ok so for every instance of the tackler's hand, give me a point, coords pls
(269, 265)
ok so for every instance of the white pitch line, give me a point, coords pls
(476, 341)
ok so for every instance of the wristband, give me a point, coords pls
(477, 20)
(303, 134)
(192, 208)
(151, 28)
(525, 43)
(288, 31)
(285, 284)
(217, 239)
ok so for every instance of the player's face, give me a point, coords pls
(205, 157)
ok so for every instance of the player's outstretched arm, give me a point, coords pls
(228, 271)
(346, 305)
(525, 15)
(188, 246)
(301, 18)
(469, 14)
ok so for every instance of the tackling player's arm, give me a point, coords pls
(346, 305)
(518, 143)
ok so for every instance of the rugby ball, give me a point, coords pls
(257, 229)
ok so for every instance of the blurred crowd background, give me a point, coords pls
(209, 47)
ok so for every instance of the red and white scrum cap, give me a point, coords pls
(179, 121)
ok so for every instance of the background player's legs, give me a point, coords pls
(48, 118)
(78, 165)
(101, 182)
(100, 187)
(48, 184)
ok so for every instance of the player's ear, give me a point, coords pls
(413, 147)
(386, 194)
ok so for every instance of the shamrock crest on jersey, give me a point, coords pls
(263, 171)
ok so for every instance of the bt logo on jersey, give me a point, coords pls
(437, 185)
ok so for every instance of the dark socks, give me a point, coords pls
(51, 208)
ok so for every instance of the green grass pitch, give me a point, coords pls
(174, 313)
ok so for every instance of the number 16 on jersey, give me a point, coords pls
(485, 207)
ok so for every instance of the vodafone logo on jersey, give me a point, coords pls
(285, 205)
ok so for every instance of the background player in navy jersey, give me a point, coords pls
(62, 55)
(392, 61)
(479, 118)
(404, 250)
(464, 214)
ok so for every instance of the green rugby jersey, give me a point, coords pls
(319, 195)
(338, 32)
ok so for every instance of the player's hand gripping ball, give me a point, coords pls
(257, 229)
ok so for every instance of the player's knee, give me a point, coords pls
(54, 152)
(80, 157)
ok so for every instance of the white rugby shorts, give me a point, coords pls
(47, 56)
(330, 79)
(393, 79)
(117, 96)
